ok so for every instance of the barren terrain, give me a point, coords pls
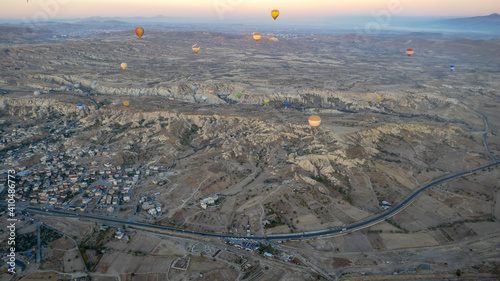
(390, 125)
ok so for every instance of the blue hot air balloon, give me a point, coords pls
(223, 96)
(79, 106)
(287, 103)
(70, 88)
(452, 67)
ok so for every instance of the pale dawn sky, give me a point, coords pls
(228, 9)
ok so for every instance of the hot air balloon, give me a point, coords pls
(142, 92)
(244, 102)
(63, 88)
(204, 98)
(314, 121)
(139, 31)
(275, 14)
(36, 93)
(266, 101)
(93, 86)
(223, 96)
(256, 36)
(409, 52)
(79, 106)
(452, 67)
(77, 85)
(124, 65)
(196, 48)
(379, 99)
(211, 91)
(239, 95)
(70, 88)
(126, 103)
(194, 88)
(287, 103)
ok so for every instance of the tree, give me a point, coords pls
(459, 272)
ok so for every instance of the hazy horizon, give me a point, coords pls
(222, 10)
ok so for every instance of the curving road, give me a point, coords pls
(314, 234)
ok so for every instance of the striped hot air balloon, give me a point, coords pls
(257, 36)
(314, 121)
(409, 52)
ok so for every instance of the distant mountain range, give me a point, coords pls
(483, 23)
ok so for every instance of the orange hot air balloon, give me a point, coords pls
(124, 65)
(210, 91)
(256, 36)
(126, 103)
(275, 13)
(409, 52)
(314, 121)
(196, 48)
(139, 31)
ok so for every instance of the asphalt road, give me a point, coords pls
(315, 234)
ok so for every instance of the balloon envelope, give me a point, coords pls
(452, 67)
(139, 31)
(204, 97)
(223, 96)
(36, 93)
(409, 52)
(287, 103)
(124, 65)
(244, 102)
(314, 121)
(266, 101)
(77, 85)
(275, 14)
(126, 103)
(257, 36)
(79, 106)
(196, 48)
(210, 90)
(239, 95)
(70, 88)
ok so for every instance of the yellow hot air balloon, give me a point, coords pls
(314, 121)
(256, 36)
(124, 65)
(275, 13)
(196, 48)
(379, 99)
(139, 31)
(126, 103)
(266, 101)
